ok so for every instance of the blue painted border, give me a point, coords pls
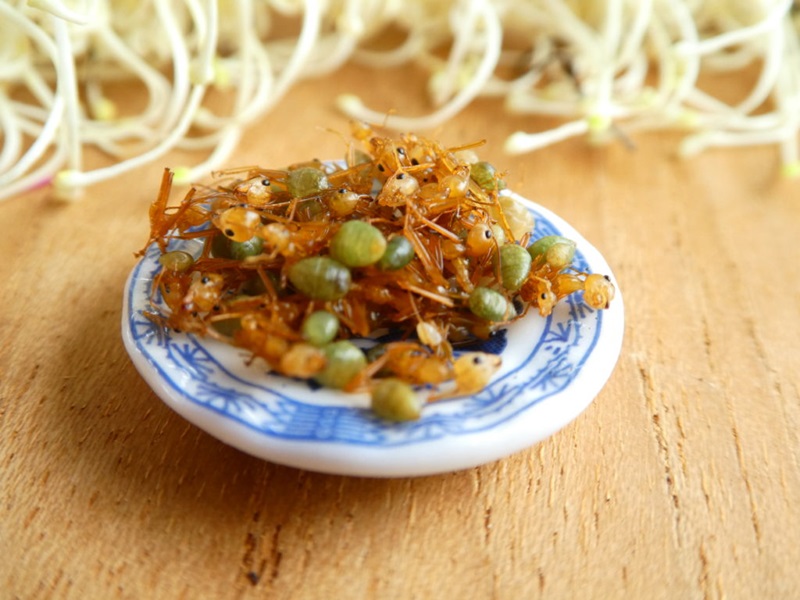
(554, 361)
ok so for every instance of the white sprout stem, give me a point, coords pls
(738, 36)
(402, 54)
(690, 67)
(228, 140)
(592, 63)
(739, 122)
(198, 18)
(790, 157)
(305, 45)
(253, 83)
(249, 111)
(155, 83)
(38, 177)
(68, 87)
(769, 73)
(666, 67)
(48, 132)
(12, 136)
(788, 100)
(352, 105)
(331, 54)
(247, 44)
(266, 83)
(205, 67)
(37, 86)
(522, 103)
(496, 87)
(349, 28)
(68, 181)
(197, 143)
(180, 63)
(518, 89)
(38, 147)
(612, 30)
(521, 142)
(636, 34)
(633, 79)
(63, 13)
(29, 118)
(464, 24)
(703, 101)
(9, 173)
(577, 31)
(696, 143)
(733, 59)
(99, 107)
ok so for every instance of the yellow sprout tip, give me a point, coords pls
(791, 170)
(688, 119)
(66, 185)
(104, 110)
(222, 75)
(598, 123)
(516, 143)
(349, 103)
(182, 175)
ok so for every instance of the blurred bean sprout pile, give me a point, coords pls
(605, 67)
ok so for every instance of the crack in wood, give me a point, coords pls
(276, 556)
(663, 449)
(748, 485)
(254, 563)
(703, 578)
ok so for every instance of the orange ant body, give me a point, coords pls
(271, 256)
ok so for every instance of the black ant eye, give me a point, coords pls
(229, 232)
(607, 278)
(543, 296)
(205, 280)
(265, 182)
(342, 190)
(401, 151)
(477, 360)
(487, 234)
(381, 169)
(401, 176)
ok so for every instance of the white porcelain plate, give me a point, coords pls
(552, 369)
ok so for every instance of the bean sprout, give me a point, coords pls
(607, 68)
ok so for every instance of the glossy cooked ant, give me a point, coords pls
(434, 250)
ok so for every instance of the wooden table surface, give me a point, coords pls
(681, 480)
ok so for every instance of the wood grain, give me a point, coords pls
(680, 481)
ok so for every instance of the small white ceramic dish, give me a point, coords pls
(552, 369)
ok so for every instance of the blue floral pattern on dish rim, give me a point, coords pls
(260, 401)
